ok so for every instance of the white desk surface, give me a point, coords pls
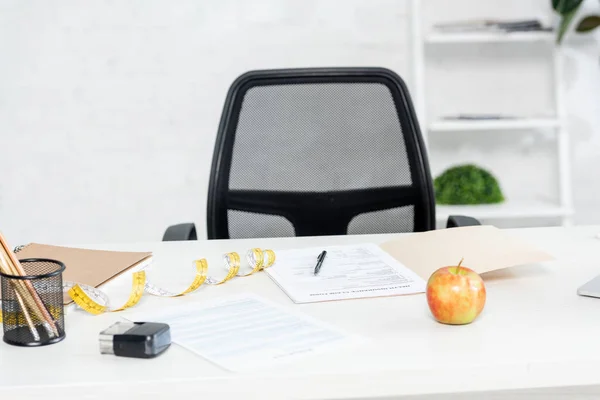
(535, 336)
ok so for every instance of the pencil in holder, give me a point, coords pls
(32, 304)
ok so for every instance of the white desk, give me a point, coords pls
(535, 335)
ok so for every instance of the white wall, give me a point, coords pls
(108, 109)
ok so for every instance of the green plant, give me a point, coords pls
(567, 10)
(467, 184)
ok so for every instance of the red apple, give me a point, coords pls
(456, 295)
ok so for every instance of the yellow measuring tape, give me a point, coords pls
(256, 259)
(199, 279)
(83, 300)
(232, 265)
(95, 302)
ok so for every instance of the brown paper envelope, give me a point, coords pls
(484, 248)
(91, 267)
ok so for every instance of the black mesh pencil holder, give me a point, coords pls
(32, 305)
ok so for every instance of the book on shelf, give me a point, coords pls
(490, 25)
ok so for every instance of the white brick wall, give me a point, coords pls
(108, 109)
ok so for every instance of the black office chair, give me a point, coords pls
(320, 151)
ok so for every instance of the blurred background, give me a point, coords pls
(109, 109)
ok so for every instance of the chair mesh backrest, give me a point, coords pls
(318, 137)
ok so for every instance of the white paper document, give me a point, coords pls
(243, 332)
(348, 272)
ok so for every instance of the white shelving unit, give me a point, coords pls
(505, 210)
(489, 37)
(504, 125)
(509, 209)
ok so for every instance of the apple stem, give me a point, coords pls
(458, 266)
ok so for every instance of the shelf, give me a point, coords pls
(486, 125)
(504, 211)
(429, 38)
(490, 37)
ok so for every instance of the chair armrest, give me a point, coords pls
(456, 221)
(180, 232)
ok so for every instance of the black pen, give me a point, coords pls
(320, 259)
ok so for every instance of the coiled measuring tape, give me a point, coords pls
(259, 259)
(95, 301)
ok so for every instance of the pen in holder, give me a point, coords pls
(32, 304)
